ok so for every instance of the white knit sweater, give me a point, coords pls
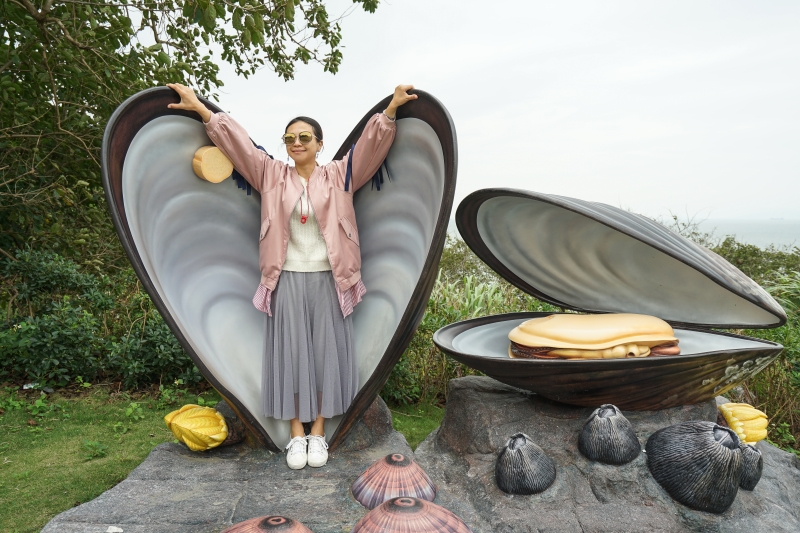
(306, 251)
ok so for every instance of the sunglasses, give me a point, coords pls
(304, 136)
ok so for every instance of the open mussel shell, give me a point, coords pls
(523, 468)
(390, 477)
(752, 467)
(698, 463)
(278, 524)
(608, 437)
(194, 246)
(410, 515)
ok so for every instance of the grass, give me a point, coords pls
(65, 451)
(415, 422)
(61, 450)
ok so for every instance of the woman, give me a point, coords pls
(310, 264)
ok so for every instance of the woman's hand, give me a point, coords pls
(189, 101)
(400, 97)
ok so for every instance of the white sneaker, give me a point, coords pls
(296, 454)
(317, 450)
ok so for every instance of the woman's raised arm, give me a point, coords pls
(230, 137)
(376, 139)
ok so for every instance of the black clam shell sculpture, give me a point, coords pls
(698, 463)
(276, 524)
(608, 437)
(410, 515)
(523, 468)
(194, 245)
(752, 467)
(393, 476)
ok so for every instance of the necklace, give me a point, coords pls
(304, 217)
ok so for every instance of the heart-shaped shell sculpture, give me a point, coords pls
(194, 245)
(199, 428)
(752, 467)
(698, 463)
(390, 477)
(277, 524)
(410, 515)
(749, 423)
(523, 468)
(608, 437)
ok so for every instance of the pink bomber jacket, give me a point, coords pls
(280, 188)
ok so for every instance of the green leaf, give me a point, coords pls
(246, 38)
(259, 23)
(236, 19)
(210, 16)
(288, 10)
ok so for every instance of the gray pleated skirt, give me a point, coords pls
(309, 364)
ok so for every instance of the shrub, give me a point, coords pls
(63, 322)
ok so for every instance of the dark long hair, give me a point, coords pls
(308, 120)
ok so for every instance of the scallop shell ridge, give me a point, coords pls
(274, 523)
(698, 463)
(608, 437)
(523, 468)
(410, 515)
(390, 477)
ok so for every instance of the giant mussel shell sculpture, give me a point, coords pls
(274, 523)
(194, 245)
(698, 463)
(608, 437)
(595, 258)
(393, 476)
(523, 468)
(410, 515)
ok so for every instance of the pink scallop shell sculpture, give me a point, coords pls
(277, 524)
(390, 477)
(410, 515)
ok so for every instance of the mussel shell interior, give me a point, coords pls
(194, 245)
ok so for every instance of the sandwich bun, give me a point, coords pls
(595, 336)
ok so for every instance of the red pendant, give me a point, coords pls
(303, 219)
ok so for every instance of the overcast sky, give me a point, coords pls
(689, 108)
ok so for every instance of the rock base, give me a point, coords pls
(178, 491)
(586, 496)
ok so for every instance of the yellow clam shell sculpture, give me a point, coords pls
(749, 423)
(199, 428)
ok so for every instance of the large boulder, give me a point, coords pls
(586, 496)
(178, 491)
